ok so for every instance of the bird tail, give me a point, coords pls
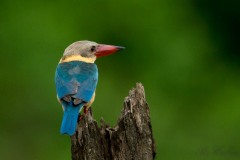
(70, 118)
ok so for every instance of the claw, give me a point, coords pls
(85, 110)
(80, 117)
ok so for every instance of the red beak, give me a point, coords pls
(104, 50)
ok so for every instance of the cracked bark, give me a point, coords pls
(130, 139)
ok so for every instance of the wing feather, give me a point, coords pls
(76, 78)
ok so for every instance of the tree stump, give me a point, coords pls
(130, 139)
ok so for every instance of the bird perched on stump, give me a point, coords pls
(76, 79)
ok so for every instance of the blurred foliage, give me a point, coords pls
(186, 53)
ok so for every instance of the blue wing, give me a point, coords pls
(79, 80)
(76, 78)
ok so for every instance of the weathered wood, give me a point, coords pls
(130, 139)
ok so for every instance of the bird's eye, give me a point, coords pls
(93, 48)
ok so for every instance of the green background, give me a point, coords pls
(186, 54)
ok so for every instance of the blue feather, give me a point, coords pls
(79, 80)
(76, 78)
(70, 118)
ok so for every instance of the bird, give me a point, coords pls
(76, 78)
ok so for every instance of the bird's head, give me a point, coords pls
(91, 50)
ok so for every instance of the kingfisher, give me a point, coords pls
(76, 79)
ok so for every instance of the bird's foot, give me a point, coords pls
(85, 110)
(80, 117)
